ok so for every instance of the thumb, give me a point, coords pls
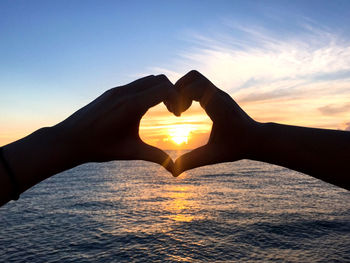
(147, 152)
(201, 156)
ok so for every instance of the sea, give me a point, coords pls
(135, 211)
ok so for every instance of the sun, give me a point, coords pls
(180, 134)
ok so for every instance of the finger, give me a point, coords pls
(171, 102)
(201, 156)
(147, 152)
(164, 92)
(197, 92)
(194, 86)
(139, 85)
(146, 83)
(183, 102)
(169, 106)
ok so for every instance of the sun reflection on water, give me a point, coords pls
(181, 203)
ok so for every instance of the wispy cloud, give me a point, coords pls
(333, 109)
(301, 78)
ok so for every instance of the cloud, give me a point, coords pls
(300, 78)
(334, 109)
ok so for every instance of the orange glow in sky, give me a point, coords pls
(164, 130)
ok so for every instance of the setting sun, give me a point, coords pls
(180, 133)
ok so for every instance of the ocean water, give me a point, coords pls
(134, 211)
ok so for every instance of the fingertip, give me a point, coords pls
(177, 174)
(171, 101)
(177, 114)
(163, 78)
(201, 156)
(168, 106)
(168, 164)
(178, 168)
(153, 154)
(194, 74)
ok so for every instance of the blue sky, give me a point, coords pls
(56, 56)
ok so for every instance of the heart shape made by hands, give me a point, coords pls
(231, 131)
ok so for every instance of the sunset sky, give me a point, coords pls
(282, 61)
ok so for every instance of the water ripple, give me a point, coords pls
(136, 212)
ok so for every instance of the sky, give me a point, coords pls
(282, 61)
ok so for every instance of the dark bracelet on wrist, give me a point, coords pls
(15, 186)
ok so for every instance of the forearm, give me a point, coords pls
(321, 153)
(35, 158)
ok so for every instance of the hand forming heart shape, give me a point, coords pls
(108, 128)
(231, 135)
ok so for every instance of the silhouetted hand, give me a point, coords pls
(108, 128)
(104, 130)
(232, 129)
(321, 153)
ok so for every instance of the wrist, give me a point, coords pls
(39, 156)
(67, 145)
(256, 140)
